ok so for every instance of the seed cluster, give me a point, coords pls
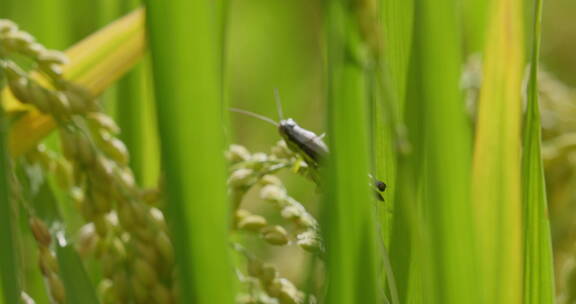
(257, 170)
(249, 170)
(63, 99)
(47, 260)
(265, 284)
(125, 230)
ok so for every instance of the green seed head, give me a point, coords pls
(47, 261)
(144, 272)
(252, 223)
(237, 153)
(56, 288)
(273, 193)
(40, 231)
(240, 177)
(275, 235)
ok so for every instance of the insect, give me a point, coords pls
(305, 143)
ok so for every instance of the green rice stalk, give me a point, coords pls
(397, 23)
(131, 111)
(406, 241)
(189, 108)
(447, 211)
(474, 18)
(79, 289)
(538, 265)
(348, 216)
(496, 181)
(8, 229)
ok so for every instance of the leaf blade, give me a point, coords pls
(189, 111)
(8, 229)
(496, 164)
(538, 265)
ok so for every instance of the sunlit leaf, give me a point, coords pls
(539, 269)
(349, 227)
(9, 272)
(189, 107)
(496, 167)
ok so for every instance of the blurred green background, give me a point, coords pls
(278, 44)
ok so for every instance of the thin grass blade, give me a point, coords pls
(131, 94)
(447, 212)
(8, 228)
(349, 226)
(538, 265)
(496, 182)
(406, 243)
(188, 97)
(79, 289)
(397, 22)
(474, 20)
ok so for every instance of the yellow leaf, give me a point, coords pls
(496, 167)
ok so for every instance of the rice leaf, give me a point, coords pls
(130, 110)
(384, 169)
(474, 20)
(496, 180)
(188, 98)
(448, 229)
(79, 289)
(397, 22)
(538, 265)
(405, 238)
(8, 228)
(391, 162)
(348, 211)
(389, 95)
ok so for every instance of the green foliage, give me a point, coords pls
(348, 211)
(496, 187)
(464, 218)
(78, 286)
(538, 273)
(447, 224)
(8, 230)
(189, 102)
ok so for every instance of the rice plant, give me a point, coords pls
(337, 151)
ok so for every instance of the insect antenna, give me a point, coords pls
(261, 117)
(278, 104)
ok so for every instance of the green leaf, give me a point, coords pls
(130, 116)
(448, 230)
(496, 182)
(135, 116)
(188, 99)
(538, 265)
(9, 272)
(79, 289)
(397, 23)
(475, 17)
(392, 165)
(348, 217)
